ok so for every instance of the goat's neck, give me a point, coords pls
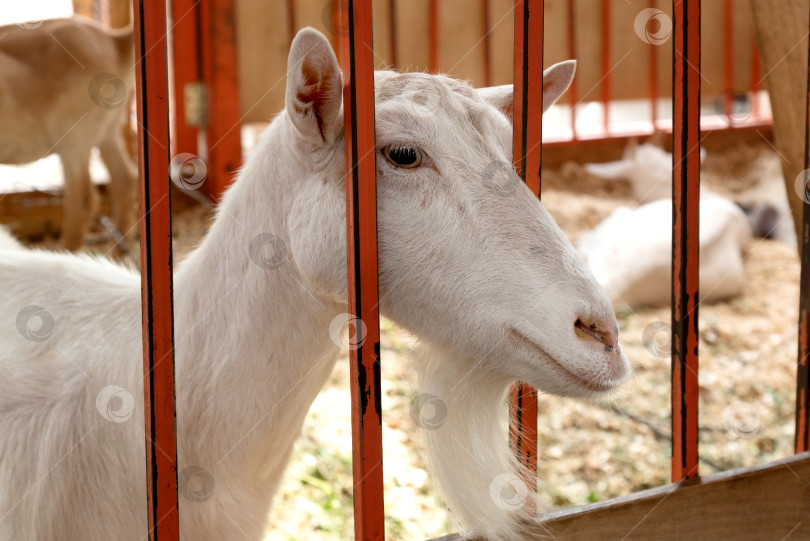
(253, 341)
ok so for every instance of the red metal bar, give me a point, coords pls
(187, 69)
(653, 80)
(573, 96)
(526, 149)
(392, 32)
(802, 442)
(486, 42)
(728, 61)
(156, 263)
(223, 133)
(606, 68)
(433, 17)
(361, 217)
(756, 76)
(291, 19)
(685, 205)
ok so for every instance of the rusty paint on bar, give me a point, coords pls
(361, 217)
(526, 149)
(685, 205)
(802, 440)
(156, 275)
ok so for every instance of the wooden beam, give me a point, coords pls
(770, 501)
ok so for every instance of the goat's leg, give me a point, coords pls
(123, 182)
(80, 199)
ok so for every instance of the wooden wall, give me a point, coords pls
(264, 30)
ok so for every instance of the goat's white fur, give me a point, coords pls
(460, 264)
(54, 80)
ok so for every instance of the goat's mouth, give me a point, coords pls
(582, 382)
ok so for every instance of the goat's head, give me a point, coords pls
(468, 257)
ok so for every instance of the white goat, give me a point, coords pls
(472, 268)
(65, 88)
(630, 252)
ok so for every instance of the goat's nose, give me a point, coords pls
(593, 329)
(597, 331)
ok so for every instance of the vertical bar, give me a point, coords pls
(802, 442)
(728, 62)
(433, 18)
(685, 193)
(756, 76)
(291, 18)
(156, 263)
(573, 96)
(526, 149)
(187, 69)
(223, 133)
(392, 32)
(361, 217)
(606, 68)
(486, 41)
(653, 81)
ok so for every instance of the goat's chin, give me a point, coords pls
(462, 410)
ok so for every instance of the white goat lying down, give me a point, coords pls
(476, 272)
(630, 252)
(65, 88)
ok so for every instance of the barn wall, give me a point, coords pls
(264, 32)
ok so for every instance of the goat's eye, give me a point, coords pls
(403, 156)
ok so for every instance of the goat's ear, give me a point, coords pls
(314, 87)
(556, 81)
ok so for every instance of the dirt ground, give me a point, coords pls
(589, 452)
